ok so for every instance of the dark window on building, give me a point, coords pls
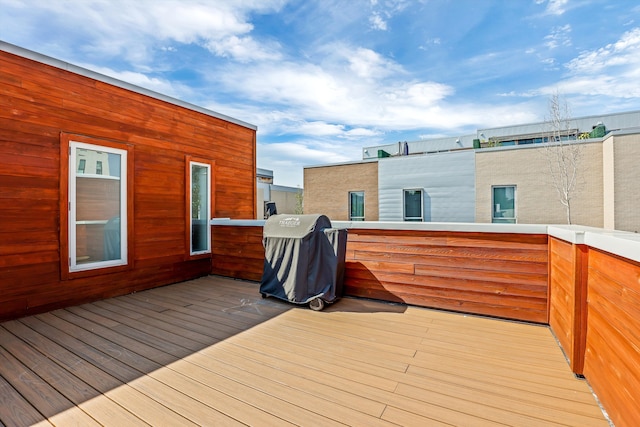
(356, 205)
(413, 205)
(504, 204)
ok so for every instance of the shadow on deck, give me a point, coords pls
(212, 352)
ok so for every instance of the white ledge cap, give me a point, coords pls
(621, 243)
(626, 245)
(468, 227)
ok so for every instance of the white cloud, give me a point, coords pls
(612, 70)
(362, 132)
(244, 49)
(556, 7)
(356, 95)
(559, 36)
(382, 12)
(336, 97)
(625, 51)
(287, 159)
(304, 152)
(318, 128)
(131, 29)
(550, 63)
(367, 64)
(602, 85)
(161, 86)
(298, 85)
(377, 23)
(596, 76)
(430, 42)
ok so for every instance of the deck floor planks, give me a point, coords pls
(16, 410)
(211, 351)
(45, 398)
(354, 384)
(103, 383)
(550, 410)
(163, 397)
(217, 322)
(516, 418)
(293, 386)
(272, 394)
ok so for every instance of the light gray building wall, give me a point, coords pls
(446, 179)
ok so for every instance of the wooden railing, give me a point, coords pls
(595, 313)
(496, 274)
(583, 282)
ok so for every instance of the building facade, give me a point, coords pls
(523, 172)
(499, 175)
(273, 198)
(435, 188)
(346, 192)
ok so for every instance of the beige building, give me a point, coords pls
(525, 170)
(606, 194)
(621, 177)
(342, 192)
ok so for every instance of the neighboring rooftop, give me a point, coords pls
(505, 135)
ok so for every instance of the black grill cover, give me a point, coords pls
(304, 258)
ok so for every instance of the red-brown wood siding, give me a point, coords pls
(567, 299)
(38, 103)
(237, 252)
(503, 275)
(612, 358)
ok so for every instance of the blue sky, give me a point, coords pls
(322, 79)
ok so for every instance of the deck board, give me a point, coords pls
(211, 351)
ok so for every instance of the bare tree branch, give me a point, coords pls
(563, 153)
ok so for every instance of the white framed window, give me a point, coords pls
(97, 217)
(413, 206)
(356, 205)
(200, 207)
(503, 201)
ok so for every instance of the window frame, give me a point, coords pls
(68, 269)
(504, 220)
(210, 164)
(404, 205)
(351, 216)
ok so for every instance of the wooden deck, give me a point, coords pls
(212, 352)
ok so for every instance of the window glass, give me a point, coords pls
(413, 205)
(356, 205)
(97, 207)
(200, 208)
(504, 204)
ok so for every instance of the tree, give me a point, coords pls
(299, 210)
(563, 153)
